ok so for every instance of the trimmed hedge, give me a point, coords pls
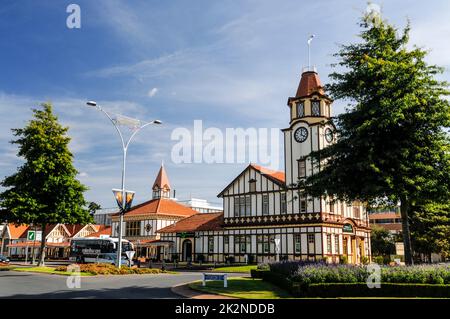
(106, 269)
(333, 290)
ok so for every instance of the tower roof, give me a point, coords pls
(162, 180)
(309, 83)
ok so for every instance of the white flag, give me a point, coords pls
(310, 38)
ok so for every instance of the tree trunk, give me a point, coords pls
(404, 209)
(42, 256)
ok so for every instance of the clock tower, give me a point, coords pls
(309, 111)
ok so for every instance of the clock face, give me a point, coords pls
(301, 134)
(329, 135)
(148, 228)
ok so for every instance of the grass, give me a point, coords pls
(243, 269)
(48, 270)
(245, 288)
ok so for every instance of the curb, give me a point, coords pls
(184, 291)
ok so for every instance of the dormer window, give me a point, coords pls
(300, 109)
(315, 108)
(252, 184)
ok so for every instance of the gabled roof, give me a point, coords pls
(17, 231)
(277, 177)
(75, 229)
(161, 206)
(102, 230)
(162, 180)
(198, 222)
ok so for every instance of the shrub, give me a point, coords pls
(106, 269)
(379, 260)
(343, 260)
(364, 260)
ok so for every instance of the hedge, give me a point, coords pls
(333, 290)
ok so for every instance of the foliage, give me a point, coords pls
(107, 269)
(382, 241)
(93, 207)
(333, 290)
(311, 274)
(379, 260)
(430, 228)
(392, 135)
(343, 259)
(44, 190)
(243, 269)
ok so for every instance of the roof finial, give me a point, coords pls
(162, 162)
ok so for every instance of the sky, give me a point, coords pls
(230, 64)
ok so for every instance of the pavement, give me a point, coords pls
(23, 285)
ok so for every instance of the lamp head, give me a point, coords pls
(91, 103)
(157, 122)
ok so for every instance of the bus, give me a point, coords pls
(94, 250)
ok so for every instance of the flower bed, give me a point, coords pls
(106, 269)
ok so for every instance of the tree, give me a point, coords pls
(430, 229)
(44, 189)
(382, 241)
(392, 146)
(93, 207)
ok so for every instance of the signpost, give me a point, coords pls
(215, 277)
(130, 255)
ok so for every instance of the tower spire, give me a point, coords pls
(161, 186)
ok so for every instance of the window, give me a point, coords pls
(242, 244)
(265, 244)
(356, 212)
(300, 109)
(248, 206)
(210, 244)
(226, 243)
(265, 204)
(329, 243)
(336, 244)
(311, 241)
(236, 206)
(283, 205)
(133, 228)
(332, 205)
(297, 244)
(302, 203)
(252, 184)
(315, 108)
(242, 206)
(301, 168)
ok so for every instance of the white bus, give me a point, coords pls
(95, 250)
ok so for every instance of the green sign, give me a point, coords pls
(31, 235)
(185, 235)
(347, 228)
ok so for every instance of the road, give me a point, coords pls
(14, 284)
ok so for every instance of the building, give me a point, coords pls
(142, 221)
(15, 243)
(104, 216)
(389, 220)
(201, 205)
(265, 217)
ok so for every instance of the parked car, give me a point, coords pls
(111, 259)
(4, 259)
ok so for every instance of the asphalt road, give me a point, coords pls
(14, 284)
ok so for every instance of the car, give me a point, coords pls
(109, 259)
(4, 259)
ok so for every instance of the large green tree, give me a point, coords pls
(44, 190)
(382, 242)
(430, 229)
(392, 146)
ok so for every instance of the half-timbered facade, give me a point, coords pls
(267, 217)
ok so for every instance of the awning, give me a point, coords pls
(153, 243)
(25, 244)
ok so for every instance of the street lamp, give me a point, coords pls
(124, 198)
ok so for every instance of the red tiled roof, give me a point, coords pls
(74, 229)
(17, 231)
(102, 230)
(162, 180)
(278, 175)
(198, 222)
(161, 206)
(309, 83)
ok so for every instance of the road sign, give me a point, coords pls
(223, 277)
(130, 254)
(31, 235)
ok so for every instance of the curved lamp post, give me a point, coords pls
(123, 197)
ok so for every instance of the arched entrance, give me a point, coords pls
(187, 250)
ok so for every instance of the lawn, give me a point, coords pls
(244, 269)
(48, 270)
(245, 288)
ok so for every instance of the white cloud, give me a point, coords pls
(152, 92)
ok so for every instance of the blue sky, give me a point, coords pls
(228, 63)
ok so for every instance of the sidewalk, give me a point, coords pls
(186, 292)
